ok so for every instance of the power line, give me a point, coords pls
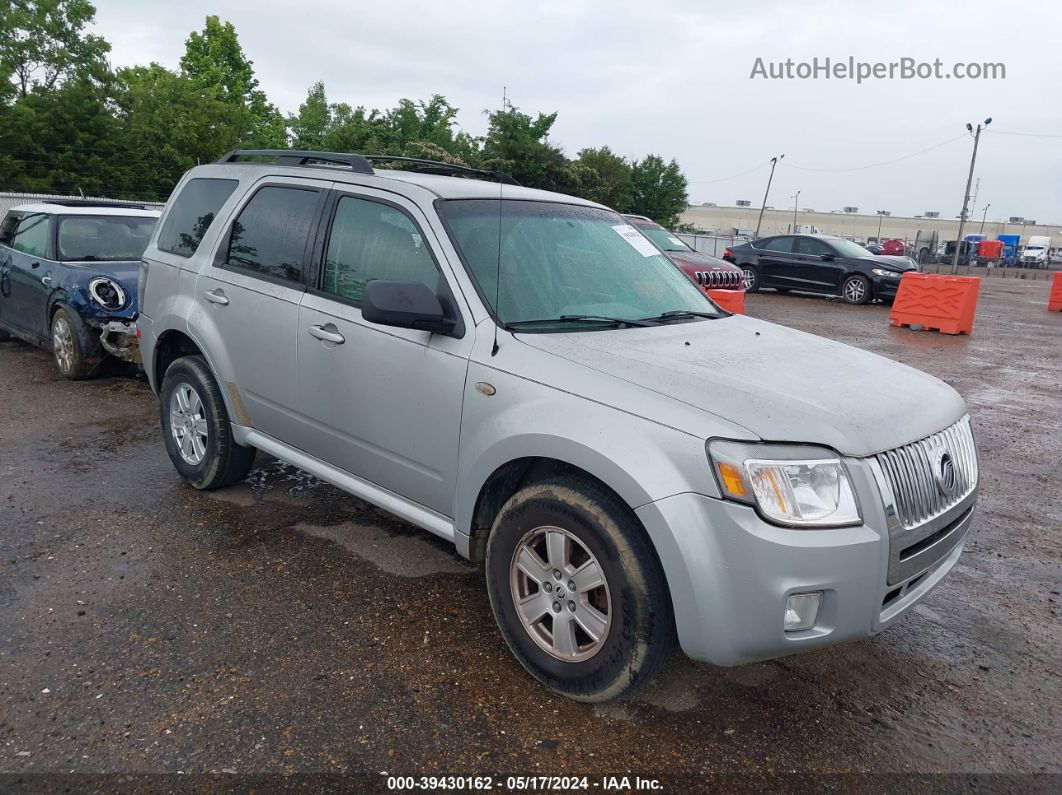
(882, 163)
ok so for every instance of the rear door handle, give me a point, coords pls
(327, 333)
(46, 280)
(216, 297)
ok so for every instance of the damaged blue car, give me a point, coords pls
(68, 279)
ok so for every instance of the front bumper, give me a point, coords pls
(885, 287)
(730, 574)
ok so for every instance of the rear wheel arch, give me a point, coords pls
(172, 345)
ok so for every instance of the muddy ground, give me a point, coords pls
(283, 627)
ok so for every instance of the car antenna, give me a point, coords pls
(497, 274)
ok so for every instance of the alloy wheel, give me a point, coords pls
(750, 278)
(560, 593)
(63, 343)
(188, 424)
(855, 290)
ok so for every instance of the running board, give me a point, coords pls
(412, 512)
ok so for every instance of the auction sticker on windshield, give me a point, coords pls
(635, 238)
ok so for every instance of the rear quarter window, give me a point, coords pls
(192, 214)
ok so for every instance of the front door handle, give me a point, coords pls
(327, 333)
(216, 297)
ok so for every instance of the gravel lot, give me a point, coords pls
(283, 627)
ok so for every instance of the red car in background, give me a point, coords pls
(893, 248)
(722, 281)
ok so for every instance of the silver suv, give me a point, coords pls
(524, 374)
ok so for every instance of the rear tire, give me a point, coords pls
(606, 635)
(196, 427)
(76, 350)
(856, 289)
(752, 278)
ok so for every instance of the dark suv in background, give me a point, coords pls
(819, 264)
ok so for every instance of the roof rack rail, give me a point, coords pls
(94, 203)
(301, 157)
(443, 169)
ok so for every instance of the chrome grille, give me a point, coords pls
(724, 279)
(923, 483)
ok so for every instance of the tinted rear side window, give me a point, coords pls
(269, 235)
(192, 213)
(783, 244)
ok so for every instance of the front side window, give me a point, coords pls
(269, 235)
(103, 238)
(809, 245)
(192, 213)
(542, 261)
(370, 240)
(31, 237)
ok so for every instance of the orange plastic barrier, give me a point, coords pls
(990, 249)
(936, 303)
(730, 300)
(1054, 302)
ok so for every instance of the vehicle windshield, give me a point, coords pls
(1034, 248)
(846, 248)
(561, 261)
(663, 238)
(104, 237)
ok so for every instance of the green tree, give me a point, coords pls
(43, 43)
(658, 190)
(311, 124)
(216, 63)
(613, 184)
(519, 145)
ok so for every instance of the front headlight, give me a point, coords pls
(794, 486)
(886, 273)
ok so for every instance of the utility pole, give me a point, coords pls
(774, 162)
(881, 217)
(966, 195)
(983, 217)
(796, 204)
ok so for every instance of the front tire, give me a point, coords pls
(752, 278)
(77, 352)
(196, 427)
(856, 289)
(577, 590)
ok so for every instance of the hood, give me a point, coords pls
(696, 261)
(780, 384)
(891, 261)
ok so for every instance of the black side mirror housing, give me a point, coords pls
(404, 304)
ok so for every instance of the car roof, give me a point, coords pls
(75, 208)
(444, 187)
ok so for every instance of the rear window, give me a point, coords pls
(192, 214)
(103, 238)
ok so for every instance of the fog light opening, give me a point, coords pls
(802, 611)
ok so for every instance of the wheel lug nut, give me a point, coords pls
(571, 606)
(571, 586)
(547, 587)
(556, 607)
(556, 574)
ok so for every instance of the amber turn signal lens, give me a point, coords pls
(732, 480)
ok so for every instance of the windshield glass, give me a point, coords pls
(663, 238)
(847, 248)
(561, 260)
(104, 237)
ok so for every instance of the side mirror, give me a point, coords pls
(405, 305)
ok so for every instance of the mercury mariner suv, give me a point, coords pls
(526, 375)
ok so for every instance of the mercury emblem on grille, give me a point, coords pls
(944, 472)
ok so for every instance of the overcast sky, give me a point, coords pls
(673, 77)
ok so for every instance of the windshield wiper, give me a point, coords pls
(617, 321)
(680, 314)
